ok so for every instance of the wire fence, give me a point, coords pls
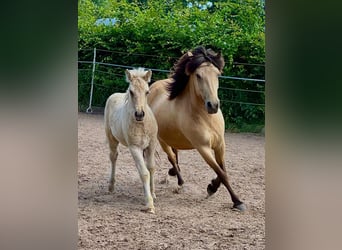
(95, 71)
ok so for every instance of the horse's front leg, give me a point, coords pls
(137, 154)
(219, 157)
(150, 164)
(206, 153)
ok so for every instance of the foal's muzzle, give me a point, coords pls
(139, 115)
(211, 107)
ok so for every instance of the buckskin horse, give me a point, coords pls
(187, 109)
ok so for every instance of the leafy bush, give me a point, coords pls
(155, 33)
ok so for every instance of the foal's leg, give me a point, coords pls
(173, 158)
(209, 158)
(150, 164)
(138, 157)
(113, 155)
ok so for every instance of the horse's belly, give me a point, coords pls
(119, 135)
(175, 139)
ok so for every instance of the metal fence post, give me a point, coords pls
(89, 109)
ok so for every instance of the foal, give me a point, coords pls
(130, 121)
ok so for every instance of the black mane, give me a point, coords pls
(187, 65)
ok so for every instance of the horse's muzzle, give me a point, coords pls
(212, 108)
(139, 116)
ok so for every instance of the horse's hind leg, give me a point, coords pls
(173, 158)
(173, 170)
(113, 155)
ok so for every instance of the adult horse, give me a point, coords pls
(130, 121)
(186, 107)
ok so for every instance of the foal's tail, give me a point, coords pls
(156, 154)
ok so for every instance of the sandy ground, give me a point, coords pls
(182, 221)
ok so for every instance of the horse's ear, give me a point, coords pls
(147, 76)
(220, 59)
(128, 75)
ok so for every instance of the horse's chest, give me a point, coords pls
(138, 136)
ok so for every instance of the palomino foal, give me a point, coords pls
(130, 121)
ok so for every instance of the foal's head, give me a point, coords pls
(138, 90)
(201, 68)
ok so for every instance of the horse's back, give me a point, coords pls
(113, 117)
(158, 92)
(113, 104)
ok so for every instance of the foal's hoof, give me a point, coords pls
(240, 207)
(111, 188)
(149, 210)
(172, 172)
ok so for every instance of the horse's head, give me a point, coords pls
(138, 90)
(205, 80)
(202, 68)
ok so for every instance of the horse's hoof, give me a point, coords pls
(180, 182)
(164, 181)
(240, 207)
(178, 190)
(211, 189)
(172, 172)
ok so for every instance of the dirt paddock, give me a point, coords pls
(185, 220)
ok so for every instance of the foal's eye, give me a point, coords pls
(131, 92)
(147, 92)
(198, 77)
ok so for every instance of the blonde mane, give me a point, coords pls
(137, 72)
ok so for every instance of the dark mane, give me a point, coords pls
(187, 65)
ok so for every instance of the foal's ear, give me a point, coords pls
(128, 75)
(147, 76)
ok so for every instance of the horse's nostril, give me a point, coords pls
(212, 108)
(139, 114)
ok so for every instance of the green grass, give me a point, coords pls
(244, 127)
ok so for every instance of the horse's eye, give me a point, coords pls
(147, 92)
(131, 92)
(198, 77)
